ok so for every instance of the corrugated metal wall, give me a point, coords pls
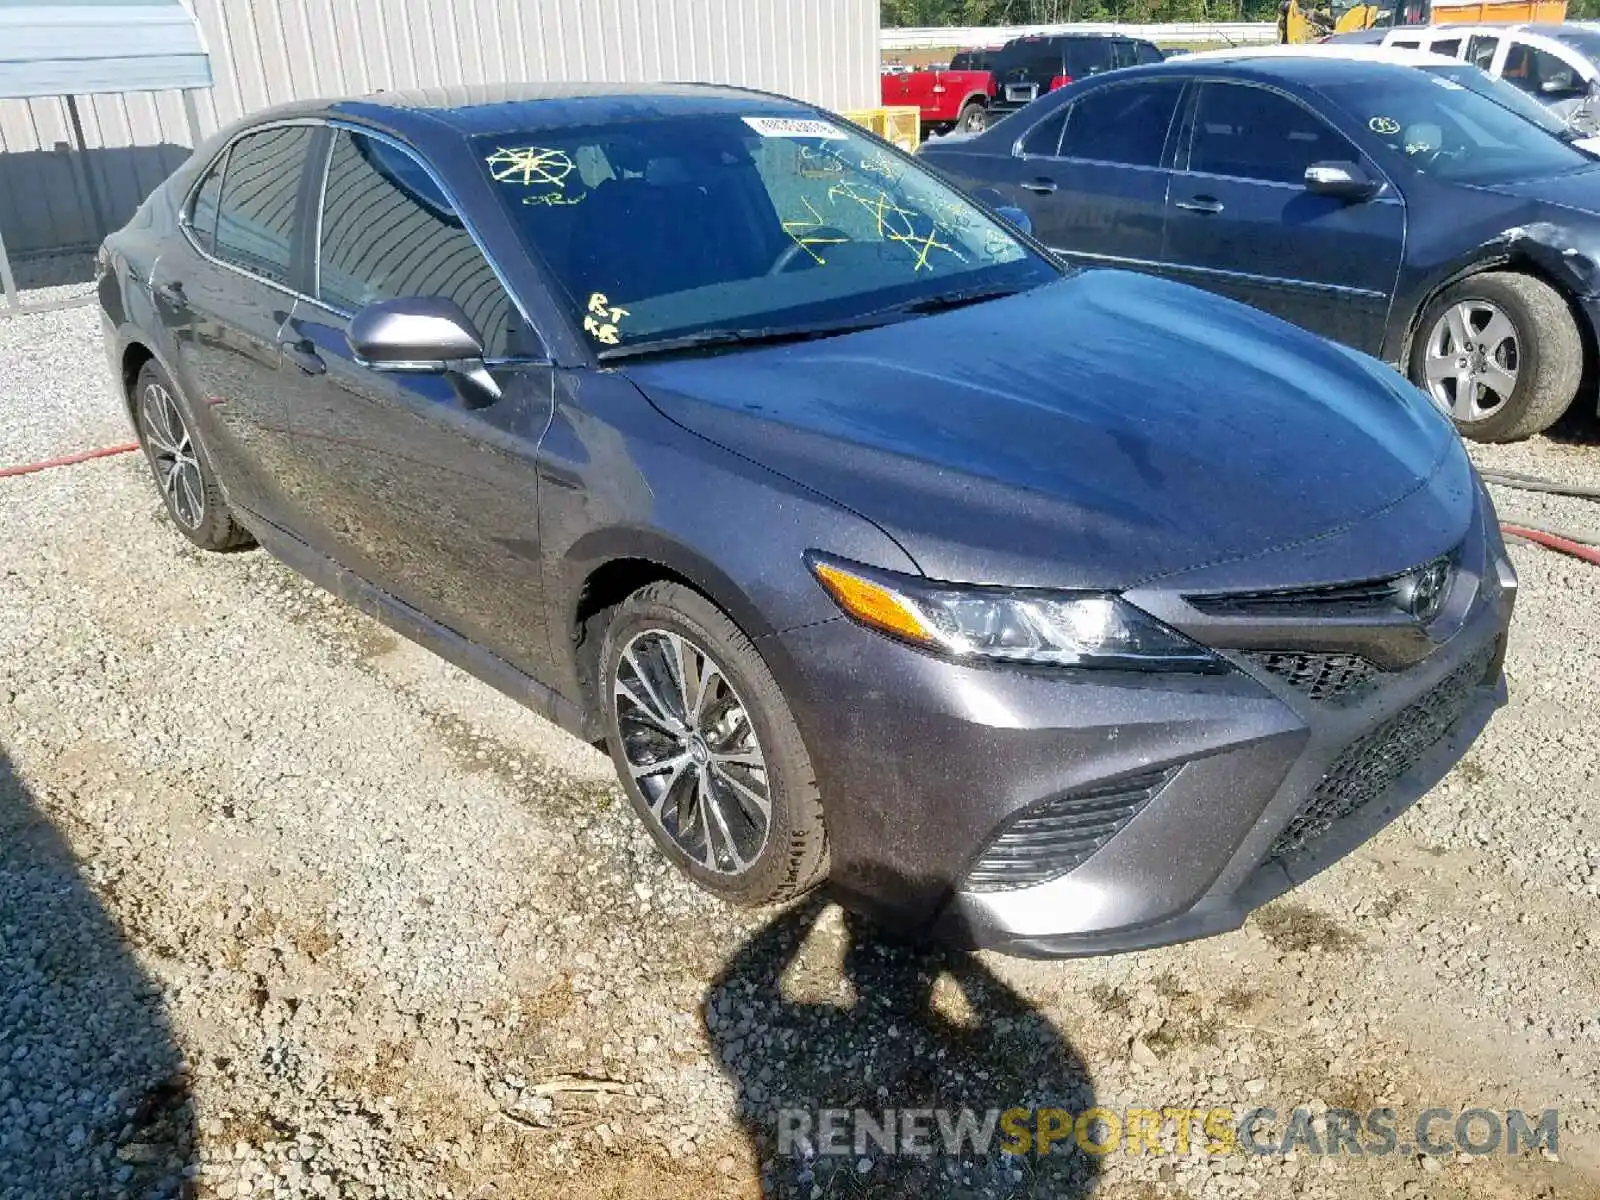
(267, 51)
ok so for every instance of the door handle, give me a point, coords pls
(1208, 205)
(303, 354)
(1040, 186)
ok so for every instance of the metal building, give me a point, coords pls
(267, 51)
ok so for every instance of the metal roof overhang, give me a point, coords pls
(81, 47)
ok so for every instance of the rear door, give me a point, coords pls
(1095, 181)
(1240, 222)
(426, 484)
(226, 292)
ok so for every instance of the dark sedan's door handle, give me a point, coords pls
(302, 354)
(1209, 205)
(1040, 186)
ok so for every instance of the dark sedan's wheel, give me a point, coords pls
(1500, 353)
(974, 118)
(707, 749)
(182, 472)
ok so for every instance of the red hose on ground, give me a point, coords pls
(1550, 541)
(68, 460)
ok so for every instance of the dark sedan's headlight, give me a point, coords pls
(1025, 626)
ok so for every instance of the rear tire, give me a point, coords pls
(1487, 330)
(183, 473)
(689, 767)
(974, 118)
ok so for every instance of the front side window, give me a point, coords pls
(668, 227)
(1480, 51)
(1251, 133)
(1446, 129)
(1126, 124)
(388, 232)
(259, 198)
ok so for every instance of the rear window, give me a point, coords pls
(1033, 59)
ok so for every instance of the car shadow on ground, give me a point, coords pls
(822, 1011)
(94, 1100)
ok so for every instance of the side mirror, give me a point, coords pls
(1342, 180)
(422, 334)
(1017, 217)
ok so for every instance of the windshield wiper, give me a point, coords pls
(761, 336)
(957, 299)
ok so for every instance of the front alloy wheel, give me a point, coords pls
(1472, 360)
(706, 748)
(692, 751)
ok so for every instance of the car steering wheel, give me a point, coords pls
(789, 253)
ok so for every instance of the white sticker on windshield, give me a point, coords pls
(793, 127)
(1449, 85)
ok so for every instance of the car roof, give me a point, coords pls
(498, 108)
(1346, 52)
(1307, 69)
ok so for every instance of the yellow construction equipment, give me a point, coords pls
(1311, 21)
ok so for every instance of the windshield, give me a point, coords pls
(1443, 128)
(662, 228)
(1503, 94)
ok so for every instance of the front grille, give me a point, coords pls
(1370, 766)
(1337, 600)
(1058, 835)
(1326, 678)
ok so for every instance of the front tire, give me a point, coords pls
(1499, 353)
(707, 750)
(182, 471)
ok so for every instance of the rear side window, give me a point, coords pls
(1448, 46)
(1251, 133)
(203, 209)
(256, 215)
(388, 232)
(1144, 52)
(1126, 124)
(1089, 56)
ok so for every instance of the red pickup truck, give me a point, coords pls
(956, 97)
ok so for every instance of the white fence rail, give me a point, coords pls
(1235, 32)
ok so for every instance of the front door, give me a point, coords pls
(1240, 221)
(427, 485)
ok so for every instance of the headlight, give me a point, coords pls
(1068, 629)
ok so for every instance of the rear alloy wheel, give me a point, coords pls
(707, 750)
(1500, 353)
(974, 118)
(181, 470)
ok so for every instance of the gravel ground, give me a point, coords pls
(289, 907)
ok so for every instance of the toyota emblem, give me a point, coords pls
(1423, 592)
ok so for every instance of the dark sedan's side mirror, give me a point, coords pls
(1343, 180)
(426, 334)
(1016, 217)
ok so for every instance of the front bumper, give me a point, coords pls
(923, 763)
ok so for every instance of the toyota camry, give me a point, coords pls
(1055, 610)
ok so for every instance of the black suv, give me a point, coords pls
(1025, 68)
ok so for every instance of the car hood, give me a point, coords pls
(1101, 431)
(1579, 191)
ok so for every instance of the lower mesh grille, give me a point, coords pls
(1052, 838)
(1327, 678)
(1369, 767)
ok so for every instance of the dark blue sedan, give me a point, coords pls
(1394, 210)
